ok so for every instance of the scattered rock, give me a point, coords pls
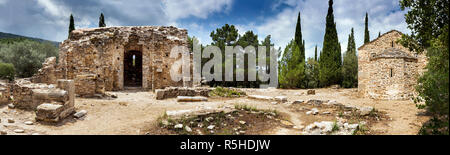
(200, 125)
(188, 129)
(298, 102)
(315, 111)
(335, 87)
(315, 102)
(211, 127)
(281, 99)
(19, 131)
(365, 110)
(28, 123)
(199, 132)
(191, 99)
(326, 112)
(35, 134)
(274, 103)
(308, 112)
(209, 119)
(332, 102)
(242, 122)
(10, 120)
(3, 132)
(11, 106)
(123, 103)
(80, 114)
(287, 123)
(242, 132)
(165, 123)
(178, 126)
(311, 92)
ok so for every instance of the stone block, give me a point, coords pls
(49, 112)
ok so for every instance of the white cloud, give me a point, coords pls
(54, 9)
(383, 16)
(3, 2)
(179, 9)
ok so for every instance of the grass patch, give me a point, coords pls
(226, 92)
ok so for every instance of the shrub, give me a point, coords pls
(7, 71)
(27, 56)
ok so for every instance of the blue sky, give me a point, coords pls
(49, 19)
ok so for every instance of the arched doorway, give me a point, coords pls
(132, 64)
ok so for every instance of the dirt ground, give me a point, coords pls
(135, 111)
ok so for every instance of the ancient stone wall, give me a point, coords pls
(387, 70)
(98, 56)
(4, 93)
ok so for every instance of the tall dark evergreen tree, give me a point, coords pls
(71, 25)
(379, 34)
(315, 53)
(101, 22)
(350, 66)
(330, 59)
(366, 30)
(299, 39)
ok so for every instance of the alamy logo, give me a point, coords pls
(261, 66)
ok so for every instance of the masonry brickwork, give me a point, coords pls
(109, 59)
(387, 70)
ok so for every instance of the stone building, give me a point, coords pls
(116, 58)
(387, 70)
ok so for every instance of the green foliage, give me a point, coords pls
(428, 20)
(335, 127)
(101, 22)
(366, 30)
(292, 66)
(350, 66)
(27, 56)
(312, 73)
(330, 59)
(7, 71)
(226, 92)
(225, 36)
(71, 24)
(292, 69)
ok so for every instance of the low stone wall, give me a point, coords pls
(87, 85)
(51, 103)
(48, 73)
(22, 91)
(173, 92)
(58, 109)
(4, 93)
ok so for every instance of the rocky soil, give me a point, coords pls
(138, 112)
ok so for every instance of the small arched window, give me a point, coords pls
(391, 73)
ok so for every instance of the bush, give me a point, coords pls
(27, 56)
(7, 71)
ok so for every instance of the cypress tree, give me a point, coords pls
(330, 62)
(315, 53)
(350, 66)
(366, 31)
(379, 34)
(71, 25)
(101, 22)
(299, 39)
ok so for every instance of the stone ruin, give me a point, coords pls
(96, 60)
(173, 92)
(116, 58)
(51, 103)
(5, 93)
(387, 70)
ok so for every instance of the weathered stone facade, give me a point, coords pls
(4, 93)
(113, 58)
(387, 70)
